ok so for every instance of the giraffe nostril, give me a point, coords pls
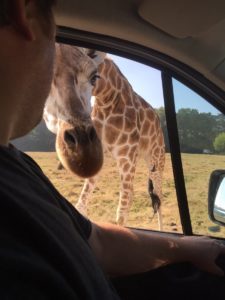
(92, 134)
(70, 138)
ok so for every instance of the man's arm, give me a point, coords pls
(121, 251)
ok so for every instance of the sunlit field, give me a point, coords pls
(104, 200)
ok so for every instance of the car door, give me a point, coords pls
(187, 95)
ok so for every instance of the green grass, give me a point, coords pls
(103, 203)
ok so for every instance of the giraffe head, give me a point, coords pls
(68, 108)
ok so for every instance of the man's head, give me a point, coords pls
(27, 35)
(6, 9)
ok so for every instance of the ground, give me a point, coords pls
(103, 204)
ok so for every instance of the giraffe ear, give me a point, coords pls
(96, 55)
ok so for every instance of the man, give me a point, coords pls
(48, 250)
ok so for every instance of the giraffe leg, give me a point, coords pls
(155, 192)
(60, 166)
(83, 200)
(127, 170)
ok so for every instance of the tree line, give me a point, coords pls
(198, 132)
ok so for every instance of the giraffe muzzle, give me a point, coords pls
(79, 149)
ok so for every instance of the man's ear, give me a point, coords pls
(96, 55)
(19, 13)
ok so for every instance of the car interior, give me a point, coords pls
(185, 41)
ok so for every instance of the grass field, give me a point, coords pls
(103, 203)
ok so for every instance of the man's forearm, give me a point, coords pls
(121, 251)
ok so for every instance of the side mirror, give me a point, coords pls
(216, 197)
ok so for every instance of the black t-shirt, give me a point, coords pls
(44, 252)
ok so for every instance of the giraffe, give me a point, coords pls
(67, 110)
(128, 127)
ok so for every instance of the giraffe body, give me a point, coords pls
(128, 128)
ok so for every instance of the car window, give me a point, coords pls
(103, 203)
(201, 130)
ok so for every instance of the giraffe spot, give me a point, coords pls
(154, 137)
(120, 106)
(119, 83)
(145, 104)
(116, 121)
(108, 64)
(129, 124)
(152, 130)
(132, 170)
(144, 143)
(162, 164)
(122, 161)
(133, 137)
(161, 140)
(150, 114)
(138, 122)
(133, 153)
(156, 151)
(130, 113)
(122, 139)
(113, 75)
(108, 93)
(126, 91)
(126, 167)
(145, 128)
(99, 87)
(97, 114)
(105, 113)
(124, 203)
(141, 115)
(102, 66)
(128, 177)
(162, 152)
(126, 186)
(136, 101)
(123, 151)
(157, 123)
(111, 134)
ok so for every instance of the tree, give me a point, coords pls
(219, 143)
(196, 130)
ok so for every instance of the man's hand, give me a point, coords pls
(203, 252)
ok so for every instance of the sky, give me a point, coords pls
(146, 81)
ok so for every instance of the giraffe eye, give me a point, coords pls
(94, 78)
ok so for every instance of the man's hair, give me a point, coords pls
(44, 6)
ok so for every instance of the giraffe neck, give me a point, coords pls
(109, 87)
